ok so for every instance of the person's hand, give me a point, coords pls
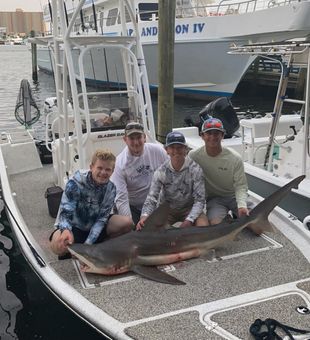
(243, 212)
(186, 223)
(140, 224)
(61, 241)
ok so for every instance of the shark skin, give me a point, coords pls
(142, 251)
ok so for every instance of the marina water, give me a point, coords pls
(27, 309)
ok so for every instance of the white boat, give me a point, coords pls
(275, 148)
(203, 34)
(14, 41)
(254, 277)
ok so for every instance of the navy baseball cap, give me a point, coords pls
(175, 137)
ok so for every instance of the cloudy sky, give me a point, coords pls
(26, 5)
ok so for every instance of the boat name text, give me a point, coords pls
(112, 134)
(179, 29)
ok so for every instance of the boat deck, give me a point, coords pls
(253, 277)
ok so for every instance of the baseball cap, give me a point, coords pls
(212, 124)
(175, 137)
(133, 127)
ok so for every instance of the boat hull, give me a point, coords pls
(211, 72)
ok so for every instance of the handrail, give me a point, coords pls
(227, 7)
(224, 7)
(306, 148)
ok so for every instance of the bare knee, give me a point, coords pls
(202, 221)
(119, 225)
(216, 220)
(127, 224)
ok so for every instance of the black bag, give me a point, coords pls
(53, 196)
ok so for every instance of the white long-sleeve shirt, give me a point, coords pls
(132, 176)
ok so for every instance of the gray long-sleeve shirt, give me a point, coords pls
(182, 189)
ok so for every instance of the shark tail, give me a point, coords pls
(261, 212)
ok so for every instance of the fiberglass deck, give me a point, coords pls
(253, 277)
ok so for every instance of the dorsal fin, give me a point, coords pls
(158, 217)
(267, 205)
(260, 213)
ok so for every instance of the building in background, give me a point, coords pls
(21, 23)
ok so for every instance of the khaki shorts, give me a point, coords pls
(218, 207)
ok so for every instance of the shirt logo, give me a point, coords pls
(143, 169)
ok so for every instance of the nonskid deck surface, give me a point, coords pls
(253, 277)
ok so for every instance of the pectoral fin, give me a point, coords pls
(152, 273)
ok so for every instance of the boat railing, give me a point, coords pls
(227, 7)
(90, 24)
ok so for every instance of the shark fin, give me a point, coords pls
(262, 226)
(268, 204)
(153, 273)
(158, 218)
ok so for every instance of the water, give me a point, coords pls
(27, 309)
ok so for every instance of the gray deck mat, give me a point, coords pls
(282, 309)
(138, 298)
(186, 324)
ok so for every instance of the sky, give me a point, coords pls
(25, 5)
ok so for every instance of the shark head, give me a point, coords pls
(103, 258)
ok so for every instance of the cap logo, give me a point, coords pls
(213, 125)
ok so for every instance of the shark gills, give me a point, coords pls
(142, 251)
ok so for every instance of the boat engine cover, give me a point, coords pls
(222, 109)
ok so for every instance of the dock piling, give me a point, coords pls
(166, 28)
(34, 58)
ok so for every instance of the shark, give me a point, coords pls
(142, 251)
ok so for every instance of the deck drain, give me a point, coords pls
(303, 310)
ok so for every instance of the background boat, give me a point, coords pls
(204, 33)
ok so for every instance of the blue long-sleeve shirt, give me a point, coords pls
(86, 205)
